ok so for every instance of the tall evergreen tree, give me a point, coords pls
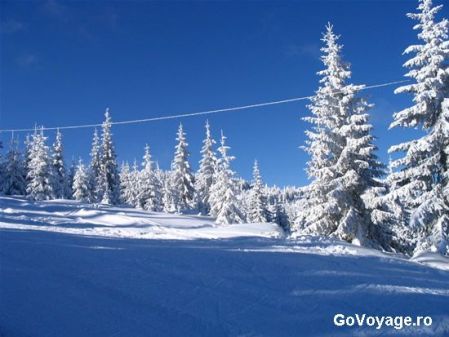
(419, 179)
(258, 202)
(343, 164)
(27, 156)
(60, 183)
(13, 175)
(204, 178)
(224, 205)
(80, 187)
(71, 176)
(39, 170)
(109, 181)
(95, 166)
(182, 181)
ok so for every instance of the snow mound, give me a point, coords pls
(433, 260)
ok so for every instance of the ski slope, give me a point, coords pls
(68, 269)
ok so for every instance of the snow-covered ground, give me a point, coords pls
(69, 269)
(72, 217)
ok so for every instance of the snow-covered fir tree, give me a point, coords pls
(204, 177)
(135, 186)
(420, 180)
(182, 181)
(343, 164)
(168, 194)
(13, 171)
(258, 202)
(71, 175)
(146, 178)
(94, 168)
(156, 202)
(109, 180)
(39, 175)
(60, 182)
(126, 187)
(80, 187)
(150, 188)
(223, 200)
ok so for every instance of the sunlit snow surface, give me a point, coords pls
(70, 269)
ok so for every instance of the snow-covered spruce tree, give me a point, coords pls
(109, 180)
(135, 186)
(126, 192)
(13, 171)
(27, 156)
(168, 194)
(419, 180)
(60, 183)
(156, 203)
(258, 202)
(182, 181)
(94, 168)
(150, 189)
(146, 179)
(223, 201)
(343, 164)
(71, 176)
(39, 177)
(204, 177)
(81, 189)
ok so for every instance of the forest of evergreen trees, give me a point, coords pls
(402, 206)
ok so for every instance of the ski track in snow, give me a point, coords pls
(69, 269)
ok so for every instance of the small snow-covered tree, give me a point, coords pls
(81, 189)
(39, 178)
(224, 204)
(60, 183)
(109, 180)
(135, 186)
(258, 202)
(420, 177)
(13, 173)
(126, 187)
(150, 187)
(155, 203)
(95, 166)
(168, 194)
(204, 178)
(182, 181)
(343, 164)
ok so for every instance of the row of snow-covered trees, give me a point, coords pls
(214, 190)
(348, 197)
(351, 196)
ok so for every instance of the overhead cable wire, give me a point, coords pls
(193, 114)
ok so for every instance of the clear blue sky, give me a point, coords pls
(63, 63)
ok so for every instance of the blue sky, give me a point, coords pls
(63, 63)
